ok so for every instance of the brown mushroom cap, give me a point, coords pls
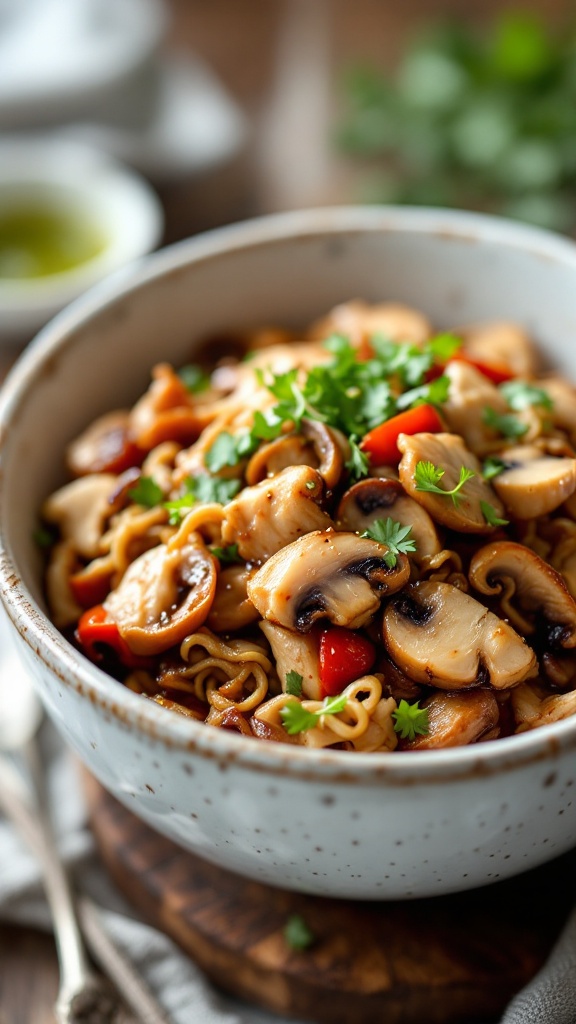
(449, 453)
(440, 636)
(326, 575)
(163, 596)
(318, 445)
(81, 509)
(373, 499)
(532, 483)
(539, 588)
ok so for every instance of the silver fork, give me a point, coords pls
(83, 997)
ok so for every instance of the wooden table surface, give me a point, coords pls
(282, 61)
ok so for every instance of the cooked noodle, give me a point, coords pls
(366, 543)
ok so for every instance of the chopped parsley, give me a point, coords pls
(294, 683)
(410, 720)
(228, 555)
(520, 394)
(428, 477)
(43, 537)
(491, 516)
(228, 449)
(146, 492)
(295, 717)
(395, 536)
(194, 378)
(504, 423)
(297, 934)
(202, 488)
(492, 467)
(358, 464)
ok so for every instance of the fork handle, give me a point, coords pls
(81, 997)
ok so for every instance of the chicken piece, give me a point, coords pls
(273, 513)
(448, 453)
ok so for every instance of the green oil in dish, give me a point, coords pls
(40, 240)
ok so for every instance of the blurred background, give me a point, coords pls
(227, 109)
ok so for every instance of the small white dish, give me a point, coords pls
(59, 58)
(115, 210)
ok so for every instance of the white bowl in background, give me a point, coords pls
(90, 188)
(326, 822)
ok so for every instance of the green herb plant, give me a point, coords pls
(472, 118)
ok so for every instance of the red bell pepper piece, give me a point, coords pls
(344, 656)
(95, 630)
(498, 374)
(88, 588)
(381, 443)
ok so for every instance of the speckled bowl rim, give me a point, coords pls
(175, 732)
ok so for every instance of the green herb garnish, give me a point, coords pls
(228, 450)
(295, 717)
(146, 492)
(492, 467)
(43, 537)
(228, 555)
(519, 394)
(204, 489)
(358, 465)
(294, 683)
(491, 516)
(395, 536)
(428, 477)
(297, 934)
(504, 423)
(194, 378)
(410, 720)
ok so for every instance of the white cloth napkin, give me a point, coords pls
(179, 986)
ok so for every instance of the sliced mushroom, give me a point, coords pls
(295, 652)
(317, 445)
(456, 719)
(442, 637)
(326, 575)
(81, 509)
(271, 514)
(104, 447)
(165, 412)
(164, 595)
(449, 453)
(501, 344)
(533, 706)
(231, 610)
(469, 395)
(533, 484)
(373, 499)
(537, 586)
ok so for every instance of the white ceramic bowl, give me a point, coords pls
(88, 187)
(325, 822)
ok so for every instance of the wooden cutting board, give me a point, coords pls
(448, 960)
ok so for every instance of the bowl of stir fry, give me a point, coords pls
(289, 540)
